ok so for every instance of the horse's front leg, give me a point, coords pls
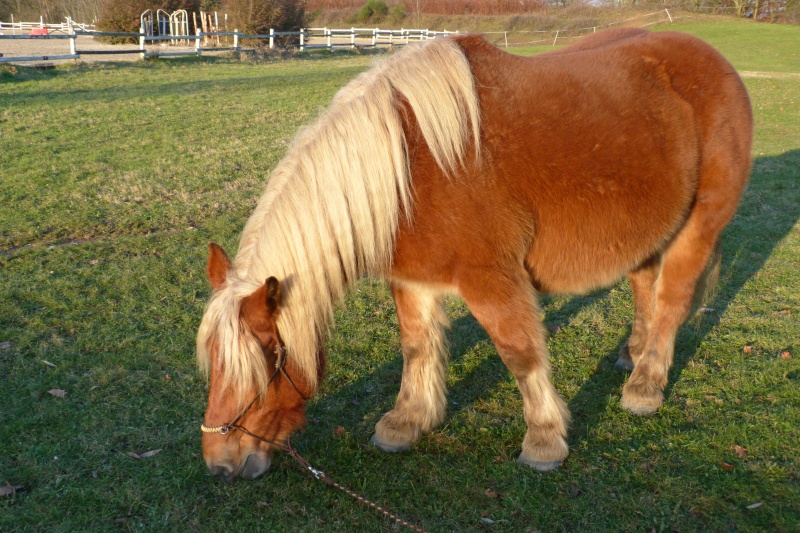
(506, 305)
(420, 406)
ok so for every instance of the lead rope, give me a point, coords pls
(322, 476)
(319, 474)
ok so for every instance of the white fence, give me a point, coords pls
(552, 37)
(307, 39)
(310, 38)
(28, 28)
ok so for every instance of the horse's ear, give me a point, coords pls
(273, 294)
(218, 265)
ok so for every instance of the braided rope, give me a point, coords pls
(322, 476)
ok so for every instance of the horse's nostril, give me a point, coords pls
(222, 472)
(255, 465)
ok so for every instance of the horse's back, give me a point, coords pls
(592, 155)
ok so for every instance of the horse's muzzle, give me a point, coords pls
(255, 465)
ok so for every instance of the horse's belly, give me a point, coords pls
(607, 189)
(592, 239)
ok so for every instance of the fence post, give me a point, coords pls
(330, 44)
(506, 35)
(73, 40)
(197, 46)
(375, 37)
(352, 37)
(141, 43)
(302, 39)
(271, 38)
(216, 23)
(236, 39)
(554, 40)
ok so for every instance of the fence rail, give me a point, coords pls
(534, 37)
(22, 28)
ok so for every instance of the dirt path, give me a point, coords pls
(50, 47)
(774, 75)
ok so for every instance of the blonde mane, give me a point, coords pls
(331, 209)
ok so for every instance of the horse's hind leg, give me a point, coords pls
(683, 262)
(725, 127)
(506, 305)
(643, 284)
(421, 403)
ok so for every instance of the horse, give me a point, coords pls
(453, 167)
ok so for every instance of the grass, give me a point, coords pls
(114, 178)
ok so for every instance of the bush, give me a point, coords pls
(397, 14)
(373, 11)
(258, 16)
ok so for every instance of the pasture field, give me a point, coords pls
(114, 177)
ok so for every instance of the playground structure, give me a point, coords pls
(174, 24)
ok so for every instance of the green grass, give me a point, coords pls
(115, 177)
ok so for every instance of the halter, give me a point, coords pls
(224, 429)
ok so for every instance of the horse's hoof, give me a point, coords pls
(387, 447)
(638, 403)
(541, 466)
(640, 408)
(543, 455)
(624, 365)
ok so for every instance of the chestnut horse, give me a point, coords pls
(454, 167)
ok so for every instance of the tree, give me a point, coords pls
(258, 16)
(53, 11)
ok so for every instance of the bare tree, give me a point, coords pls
(417, 6)
(51, 10)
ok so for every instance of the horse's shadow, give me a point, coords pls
(766, 215)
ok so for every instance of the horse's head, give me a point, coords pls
(248, 417)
